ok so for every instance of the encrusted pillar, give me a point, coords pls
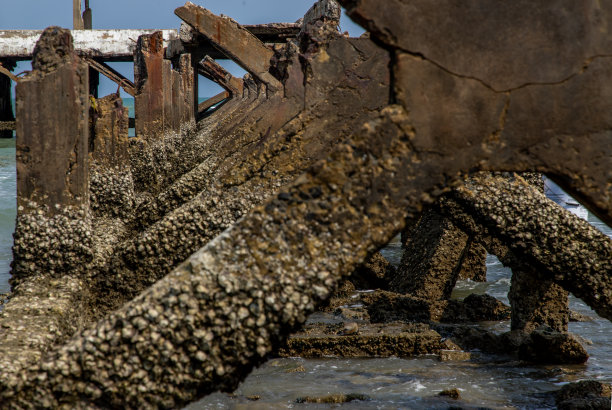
(51, 234)
(431, 259)
(536, 300)
(112, 188)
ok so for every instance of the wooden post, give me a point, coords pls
(87, 17)
(52, 108)
(6, 105)
(109, 147)
(148, 80)
(77, 20)
(167, 95)
(188, 89)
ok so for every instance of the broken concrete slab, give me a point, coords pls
(372, 340)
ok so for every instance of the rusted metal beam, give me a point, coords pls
(109, 45)
(112, 75)
(210, 69)
(205, 105)
(233, 39)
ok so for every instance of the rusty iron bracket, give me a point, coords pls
(112, 74)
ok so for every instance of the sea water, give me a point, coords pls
(8, 206)
(394, 382)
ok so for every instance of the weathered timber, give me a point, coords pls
(112, 75)
(6, 104)
(187, 91)
(53, 135)
(77, 19)
(163, 95)
(7, 71)
(323, 10)
(506, 102)
(239, 44)
(52, 240)
(148, 79)
(210, 69)
(109, 143)
(192, 42)
(212, 101)
(104, 45)
(87, 17)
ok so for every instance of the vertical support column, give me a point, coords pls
(6, 105)
(188, 89)
(535, 300)
(148, 79)
(52, 233)
(430, 262)
(77, 20)
(112, 187)
(167, 81)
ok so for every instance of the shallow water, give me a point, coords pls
(390, 383)
(7, 208)
(393, 383)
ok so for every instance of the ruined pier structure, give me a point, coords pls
(176, 261)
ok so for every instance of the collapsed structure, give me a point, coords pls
(154, 270)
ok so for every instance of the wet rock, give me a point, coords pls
(359, 314)
(334, 398)
(373, 273)
(454, 355)
(451, 393)
(350, 328)
(587, 394)
(387, 306)
(579, 317)
(545, 345)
